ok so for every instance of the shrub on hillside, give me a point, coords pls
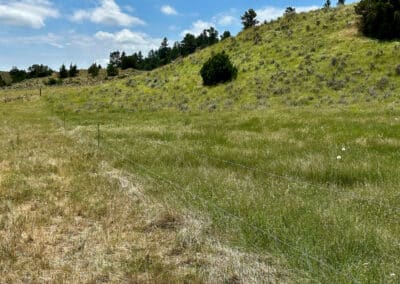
(249, 19)
(94, 70)
(112, 70)
(63, 72)
(39, 71)
(17, 75)
(52, 82)
(379, 18)
(218, 69)
(2, 82)
(73, 71)
(398, 69)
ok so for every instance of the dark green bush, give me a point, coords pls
(94, 70)
(379, 19)
(218, 69)
(112, 70)
(2, 82)
(53, 81)
(63, 73)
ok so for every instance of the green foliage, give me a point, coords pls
(115, 58)
(225, 35)
(218, 69)
(63, 73)
(112, 70)
(94, 70)
(341, 2)
(2, 82)
(53, 82)
(73, 71)
(379, 19)
(17, 75)
(188, 44)
(39, 71)
(290, 11)
(327, 4)
(249, 19)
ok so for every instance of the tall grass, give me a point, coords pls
(272, 181)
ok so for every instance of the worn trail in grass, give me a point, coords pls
(66, 214)
(317, 189)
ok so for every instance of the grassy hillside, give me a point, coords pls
(314, 58)
(288, 174)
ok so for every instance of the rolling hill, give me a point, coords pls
(289, 174)
(316, 58)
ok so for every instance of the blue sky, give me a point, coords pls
(54, 32)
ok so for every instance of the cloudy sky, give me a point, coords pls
(54, 32)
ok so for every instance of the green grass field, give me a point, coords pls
(272, 182)
(288, 174)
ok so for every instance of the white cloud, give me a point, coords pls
(128, 40)
(226, 20)
(169, 10)
(197, 28)
(307, 8)
(48, 39)
(272, 13)
(107, 13)
(26, 13)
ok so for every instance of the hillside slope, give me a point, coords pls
(316, 58)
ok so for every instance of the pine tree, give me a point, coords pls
(112, 70)
(73, 71)
(225, 35)
(188, 44)
(249, 19)
(94, 70)
(63, 72)
(379, 18)
(327, 4)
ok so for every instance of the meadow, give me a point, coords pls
(288, 174)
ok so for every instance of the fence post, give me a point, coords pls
(98, 135)
(40, 91)
(64, 119)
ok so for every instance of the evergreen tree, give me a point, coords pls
(2, 82)
(225, 35)
(327, 4)
(94, 70)
(340, 2)
(17, 75)
(73, 71)
(39, 71)
(176, 51)
(63, 72)
(212, 36)
(112, 70)
(290, 11)
(188, 44)
(379, 18)
(164, 53)
(115, 59)
(218, 69)
(249, 19)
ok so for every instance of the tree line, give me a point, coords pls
(377, 19)
(165, 54)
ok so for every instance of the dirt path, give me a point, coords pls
(66, 215)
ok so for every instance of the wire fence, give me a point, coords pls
(319, 269)
(314, 263)
(296, 181)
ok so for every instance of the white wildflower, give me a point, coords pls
(339, 157)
